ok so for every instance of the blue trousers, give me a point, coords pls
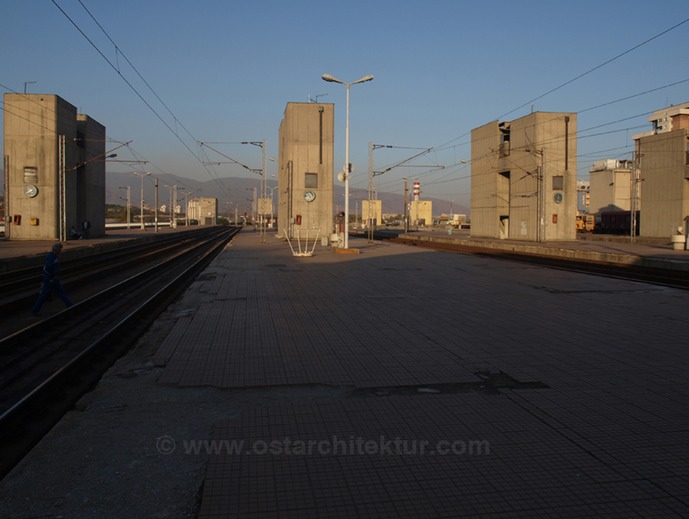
(48, 287)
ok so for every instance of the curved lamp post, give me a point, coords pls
(347, 167)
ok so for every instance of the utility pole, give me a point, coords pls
(406, 215)
(129, 204)
(141, 176)
(174, 206)
(372, 195)
(634, 188)
(62, 189)
(155, 210)
(264, 183)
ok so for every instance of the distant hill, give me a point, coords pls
(231, 191)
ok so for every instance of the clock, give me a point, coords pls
(309, 196)
(558, 198)
(30, 190)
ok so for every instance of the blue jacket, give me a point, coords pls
(51, 267)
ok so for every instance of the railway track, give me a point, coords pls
(19, 287)
(46, 367)
(656, 276)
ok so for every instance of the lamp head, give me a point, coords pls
(368, 77)
(331, 79)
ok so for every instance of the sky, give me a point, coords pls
(165, 75)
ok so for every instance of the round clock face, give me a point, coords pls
(309, 196)
(558, 198)
(30, 190)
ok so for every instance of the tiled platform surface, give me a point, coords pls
(607, 437)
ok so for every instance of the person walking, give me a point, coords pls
(85, 229)
(51, 282)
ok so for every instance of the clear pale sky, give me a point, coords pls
(226, 69)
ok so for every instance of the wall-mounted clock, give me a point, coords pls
(30, 190)
(309, 196)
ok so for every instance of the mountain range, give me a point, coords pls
(236, 191)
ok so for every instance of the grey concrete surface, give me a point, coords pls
(397, 382)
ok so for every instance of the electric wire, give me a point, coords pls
(576, 78)
(591, 70)
(442, 147)
(131, 86)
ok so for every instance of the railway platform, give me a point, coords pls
(398, 382)
(645, 252)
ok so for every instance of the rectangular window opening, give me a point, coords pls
(311, 180)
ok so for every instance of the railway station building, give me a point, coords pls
(523, 178)
(662, 156)
(305, 170)
(54, 168)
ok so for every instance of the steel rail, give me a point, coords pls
(34, 413)
(16, 280)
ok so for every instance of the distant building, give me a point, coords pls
(203, 210)
(305, 175)
(371, 213)
(523, 178)
(662, 156)
(54, 168)
(421, 213)
(611, 186)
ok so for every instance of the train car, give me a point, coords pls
(585, 223)
(616, 222)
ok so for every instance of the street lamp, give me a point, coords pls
(141, 176)
(347, 167)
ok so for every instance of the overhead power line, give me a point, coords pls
(607, 62)
(583, 74)
(131, 86)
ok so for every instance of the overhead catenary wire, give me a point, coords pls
(601, 65)
(118, 51)
(562, 85)
(578, 77)
(579, 133)
(133, 88)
